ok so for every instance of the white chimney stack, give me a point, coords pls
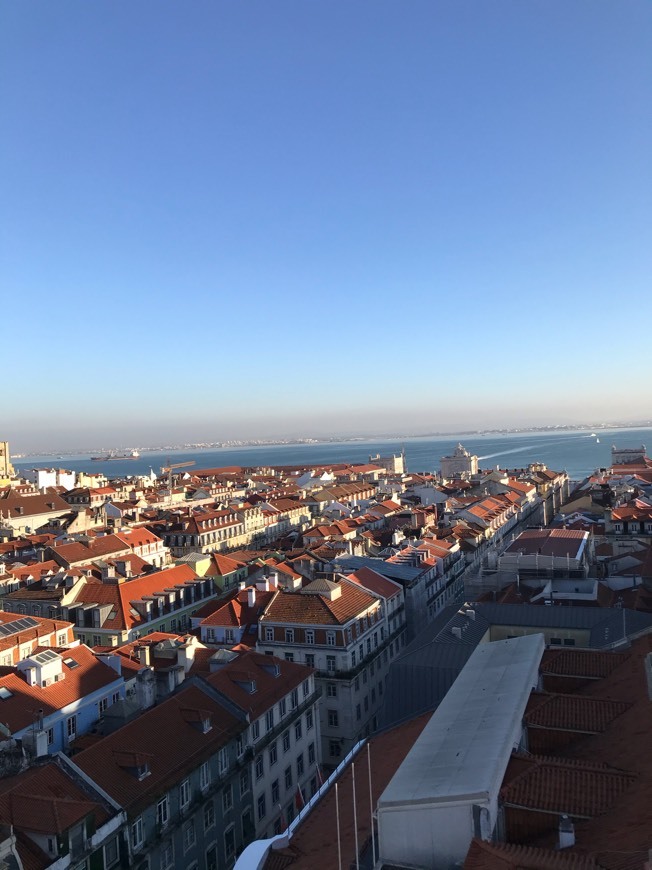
(566, 832)
(144, 654)
(251, 595)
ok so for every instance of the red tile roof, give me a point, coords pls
(236, 612)
(152, 735)
(19, 710)
(370, 579)
(572, 712)
(298, 607)
(44, 800)
(256, 667)
(121, 595)
(588, 664)
(17, 506)
(556, 785)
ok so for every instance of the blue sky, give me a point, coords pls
(226, 219)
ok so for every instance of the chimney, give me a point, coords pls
(566, 832)
(251, 596)
(144, 654)
(242, 585)
(456, 631)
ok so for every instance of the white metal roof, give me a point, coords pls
(462, 753)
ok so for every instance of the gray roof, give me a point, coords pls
(420, 678)
(394, 570)
(605, 624)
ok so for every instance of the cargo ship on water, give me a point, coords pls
(114, 457)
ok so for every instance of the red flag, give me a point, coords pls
(320, 778)
(298, 800)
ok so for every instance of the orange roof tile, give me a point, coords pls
(152, 734)
(18, 711)
(298, 607)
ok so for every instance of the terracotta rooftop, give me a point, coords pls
(588, 664)
(273, 678)
(559, 785)
(236, 612)
(152, 735)
(18, 711)
(299, 608)
(572, 712)
(370, 579)
(44, 800)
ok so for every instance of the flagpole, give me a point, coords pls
(337, 815)
(371, 806)
(355, 820)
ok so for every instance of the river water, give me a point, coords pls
(576, 452)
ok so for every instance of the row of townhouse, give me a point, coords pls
(85, 550)
(188, 783)
(203, 530)
(348, 629)
(114, 610)
(53, 695)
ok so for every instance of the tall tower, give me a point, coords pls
(6, 468)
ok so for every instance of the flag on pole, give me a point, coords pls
(320, 778)
(280, 818)
(298, 799)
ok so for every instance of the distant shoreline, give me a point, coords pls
(351, 439)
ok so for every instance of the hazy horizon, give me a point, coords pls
(132, 436)
(293, 219)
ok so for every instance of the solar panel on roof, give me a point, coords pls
(17, 625)
(45, 656)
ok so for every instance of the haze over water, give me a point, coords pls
(576, 452)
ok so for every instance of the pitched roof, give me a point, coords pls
(273, 678)
(581, 789)
(151, 736)
(236, 612)
(311, 609)
(121, 595)
(18, 711)
(43, 800)
(572, 712)
(375, 582)
(15, 506)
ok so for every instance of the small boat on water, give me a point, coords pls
(115, 457)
